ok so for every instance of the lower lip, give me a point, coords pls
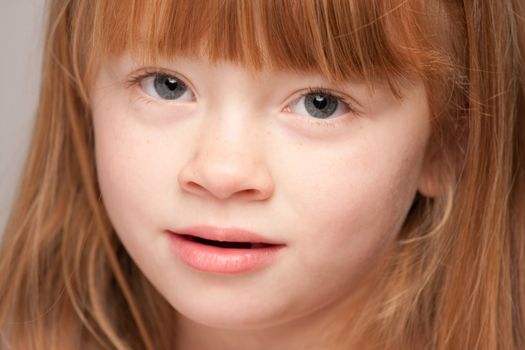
(222, 260)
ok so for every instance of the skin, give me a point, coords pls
(242, 153)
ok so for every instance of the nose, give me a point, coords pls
(226, 165)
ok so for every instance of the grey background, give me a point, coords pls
(21, 37)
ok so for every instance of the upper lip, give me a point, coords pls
(224, 234)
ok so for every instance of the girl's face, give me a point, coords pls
(327, 170)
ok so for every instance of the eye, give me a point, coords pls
(166, 87)
(319, 104)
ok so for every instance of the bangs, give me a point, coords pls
(342, 39)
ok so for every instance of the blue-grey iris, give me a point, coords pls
(320, 105)
(169, 87)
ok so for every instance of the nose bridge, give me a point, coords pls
(228, 159)
(229, 137)
(231, 113)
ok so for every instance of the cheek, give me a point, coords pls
(128, 173)
(352, 201)
(121, 179)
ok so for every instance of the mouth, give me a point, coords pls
(224, 250)
(225, 237)
(226, 244)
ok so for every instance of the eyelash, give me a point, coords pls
(136, 78)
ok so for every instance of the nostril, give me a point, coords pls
(250, 192)
(197, 188)
(222, 182)
(194, 186)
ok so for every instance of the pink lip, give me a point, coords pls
(216, 259)
(230, 234)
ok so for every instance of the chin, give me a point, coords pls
(238, 318)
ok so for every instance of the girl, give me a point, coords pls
(273, 174)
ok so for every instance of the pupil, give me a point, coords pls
(320, 102)
(171, 83)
